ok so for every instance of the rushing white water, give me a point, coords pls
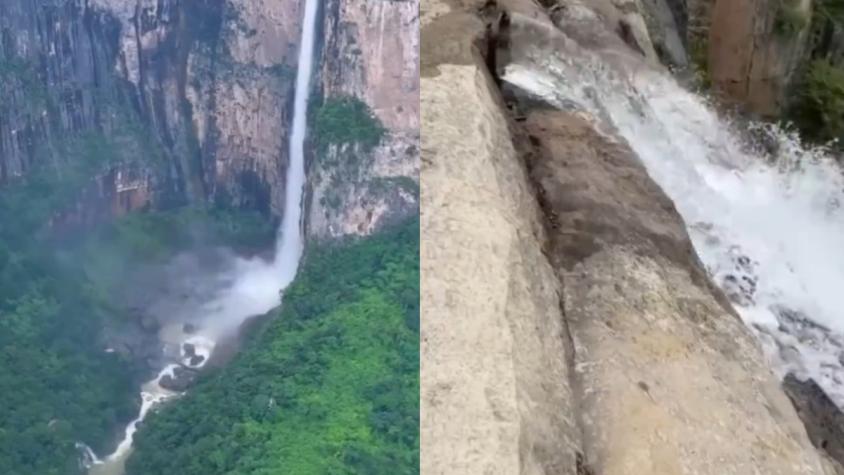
(253, 285)
(768, 227)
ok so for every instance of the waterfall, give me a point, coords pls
(255, 284)
(289, 249)
(766, 221)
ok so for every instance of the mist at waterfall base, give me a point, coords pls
(247, 287)
(766, 221)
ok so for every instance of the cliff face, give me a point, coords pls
(567, 324)
(371, 52)
(192, 101)
(190, 97)
(755, 48)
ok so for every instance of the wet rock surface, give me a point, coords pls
(181, 379)
(824, 420)
(643, 318)
(740, 283)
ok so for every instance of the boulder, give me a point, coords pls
(824, 420)
(196, 360)
(181, 379)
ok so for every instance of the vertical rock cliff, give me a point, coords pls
(371, 53)
(191, 98)
(188, 102)
(755, 48)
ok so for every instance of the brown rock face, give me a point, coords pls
(495, 395)
(371, 52)
(751, 59)
(193, 96)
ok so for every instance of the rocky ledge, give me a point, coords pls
(568, 326)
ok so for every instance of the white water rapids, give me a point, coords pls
(770, 229)
(254, 285)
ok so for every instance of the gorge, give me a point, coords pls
(256, 286)
(153, 158)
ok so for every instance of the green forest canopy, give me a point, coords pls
(330, 385)
(59, 386)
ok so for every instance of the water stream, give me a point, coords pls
(767, 225)
(252, 286)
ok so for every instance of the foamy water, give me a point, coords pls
(770, 229)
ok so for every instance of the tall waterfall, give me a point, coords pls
(289, 248)
(254, 285)
(767, 224)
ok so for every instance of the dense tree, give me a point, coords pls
(329, 385)
(59, 386)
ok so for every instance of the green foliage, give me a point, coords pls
(790, 18)
(59, 386)
(330, 385)
(818, 110)
(700, 62)
(387, 184)
(347, 120)
(833, 10)
(156, 235)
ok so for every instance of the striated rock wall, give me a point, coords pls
(371, 52)
(194, 93)
(207, 87)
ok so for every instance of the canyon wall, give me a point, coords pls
(159, 103)
(755, 49)
(370, 52)
(188, 99)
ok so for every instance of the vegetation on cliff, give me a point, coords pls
(347, 120)
(818, 110)
(329, 385)
(790, 18)
(816, 107)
